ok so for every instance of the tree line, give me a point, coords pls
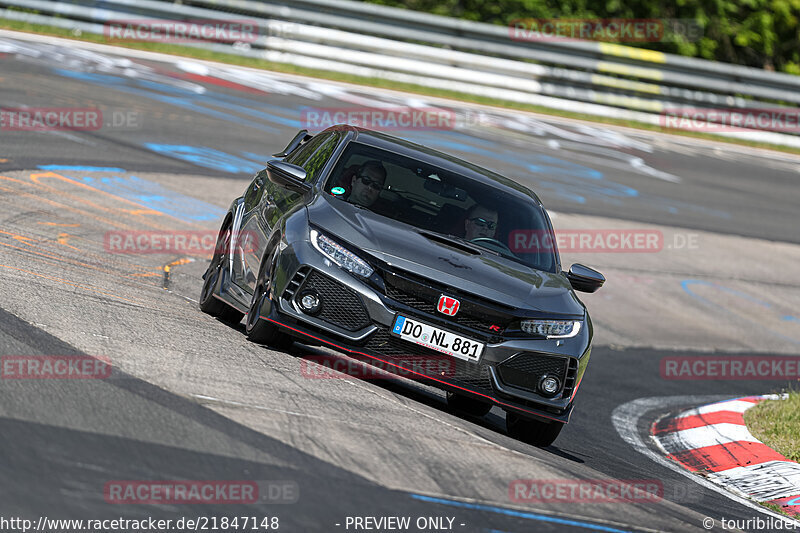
(756, 33)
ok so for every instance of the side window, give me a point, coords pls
(316, 162)
(256, 189)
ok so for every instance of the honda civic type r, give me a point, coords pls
(390, 252)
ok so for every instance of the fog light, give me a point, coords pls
(549, 385)
(310, 302)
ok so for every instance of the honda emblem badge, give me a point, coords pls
(448, 306)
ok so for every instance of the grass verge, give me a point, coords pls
(776, 423)
(196, 53)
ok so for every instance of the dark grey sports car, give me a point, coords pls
(394, 253)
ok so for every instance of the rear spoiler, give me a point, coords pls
(301, 137)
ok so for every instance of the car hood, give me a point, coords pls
(486, 275)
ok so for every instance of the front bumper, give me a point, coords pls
(357, 317)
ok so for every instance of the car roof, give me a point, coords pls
(435, 158)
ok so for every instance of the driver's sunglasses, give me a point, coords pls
(372, 184)
(483, 223)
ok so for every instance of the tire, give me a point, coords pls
(259, 330)
(208, 302)
(466, 405)
(533, 432)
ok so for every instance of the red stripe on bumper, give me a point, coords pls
(494, 400)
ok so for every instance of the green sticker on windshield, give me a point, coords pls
(337, 191)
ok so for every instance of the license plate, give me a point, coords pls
(436, 338)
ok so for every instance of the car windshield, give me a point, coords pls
(433, 199)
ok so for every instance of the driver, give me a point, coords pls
(367, 183)
(480, 222)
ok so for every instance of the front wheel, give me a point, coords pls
(208, 302)
(259, 330)
(533, 432)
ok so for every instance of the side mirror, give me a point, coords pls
(585, 279)
(288, 176)
(301, 137)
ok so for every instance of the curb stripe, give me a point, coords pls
(791, 501)
(765, 482)
(714, 440)
(690, 439)
(669, 425)
(734, 406)
(726, 456)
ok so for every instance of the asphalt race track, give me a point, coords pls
(189, 398)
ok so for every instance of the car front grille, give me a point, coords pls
(425, 298)
(526, 369)
(474, 376)
(341, 306)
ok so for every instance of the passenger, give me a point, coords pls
(481, 222)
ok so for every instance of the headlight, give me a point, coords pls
(552, 329)
(340, 255)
